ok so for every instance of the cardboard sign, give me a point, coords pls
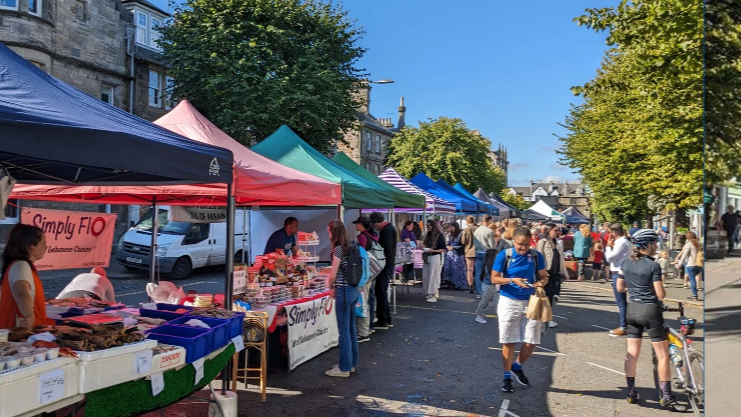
(74, 239)
(198, 364)
(238, 343)
(158, 384)
(51, 386)
(144, 361)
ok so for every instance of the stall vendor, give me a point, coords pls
(22, 302)
(94, 284)
(285, 238)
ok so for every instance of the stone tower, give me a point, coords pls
(402, 112)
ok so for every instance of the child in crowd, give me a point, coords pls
(597, 262)
(664, 262)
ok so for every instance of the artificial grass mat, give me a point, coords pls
(135, 397)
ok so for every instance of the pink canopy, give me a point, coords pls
(257, 180)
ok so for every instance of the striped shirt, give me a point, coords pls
(340, 281)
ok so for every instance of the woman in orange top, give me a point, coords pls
(22, 302)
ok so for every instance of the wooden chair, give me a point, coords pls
(255, 331)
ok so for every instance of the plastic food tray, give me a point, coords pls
(19, 388)
(220, 327)
(197, 342)
(109, 367)
(164, 311)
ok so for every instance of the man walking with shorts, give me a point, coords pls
(518, 271)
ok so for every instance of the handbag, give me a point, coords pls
(374, 265)
(539, 308)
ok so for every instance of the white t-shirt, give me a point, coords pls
(21, 271)
(94, 283)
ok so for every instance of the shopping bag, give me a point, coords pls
(539, 308)
(361, 306)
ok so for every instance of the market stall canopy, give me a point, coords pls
(533, 215)
(480, 207)
(434, 205)
(574, 216)
(544, 209)
(493, 210)
(285, 147)
(462, 205)
(504, 208)
(53, 133)
(258, 180)
(401, 199)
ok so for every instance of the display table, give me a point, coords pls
(135, 397)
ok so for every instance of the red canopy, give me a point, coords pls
(257, 180)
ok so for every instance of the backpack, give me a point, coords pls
(354, 270)
(377, 250)
(700, 258)
(509, 252)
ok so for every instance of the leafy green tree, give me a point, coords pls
(638, 135)
(515, 200)
(251, 66)
(444, 148)
(723, 90)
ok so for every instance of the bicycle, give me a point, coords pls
(688, 378)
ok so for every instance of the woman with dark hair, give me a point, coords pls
(434, 247)
(454, 265)
(689, 255)
(22, 302)
(555, 263)
(345, 297)
(641, 279)
(407, 233)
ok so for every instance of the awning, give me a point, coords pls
(435, 205)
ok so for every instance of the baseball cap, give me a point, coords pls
(363, 219)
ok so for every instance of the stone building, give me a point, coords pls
(498, 158)
(367, 145)
(558, 195)
(105, 48)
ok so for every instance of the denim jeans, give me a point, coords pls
(731, 235)
(345, 299)
(692, 272)
(622, 301)
(480, 262)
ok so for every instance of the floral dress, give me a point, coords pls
(454, 267)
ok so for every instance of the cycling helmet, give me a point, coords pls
(644, 237)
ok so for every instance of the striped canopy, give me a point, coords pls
(435, 205)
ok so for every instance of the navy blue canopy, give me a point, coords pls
(462, 205)
(52, 133)
(574, 216)
(479, 207)
(490, 208)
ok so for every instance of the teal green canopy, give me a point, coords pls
(401, 198)
(285, 147)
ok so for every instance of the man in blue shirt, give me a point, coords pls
(284, 238)
(517, 283)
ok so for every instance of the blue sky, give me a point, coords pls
(504, 67)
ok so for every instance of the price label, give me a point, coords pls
(51, 386)
(238, 343)
(158, 384)
(149, 306)
(199, 369)
(144, 361)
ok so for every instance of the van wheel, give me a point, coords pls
(238, 257)
(181, 269)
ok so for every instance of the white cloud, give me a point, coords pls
(554, 178)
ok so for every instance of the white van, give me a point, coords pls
(181, 246)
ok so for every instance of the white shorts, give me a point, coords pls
(514, 326)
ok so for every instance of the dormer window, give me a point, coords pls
(146, 29)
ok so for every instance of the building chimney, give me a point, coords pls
(362, 93)
(550, 187)
(402, 112)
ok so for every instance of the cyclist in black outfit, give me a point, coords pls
(642, 280)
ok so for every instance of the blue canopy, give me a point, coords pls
(574, 216)
(462, 205)
(53, 133)
(492, 209)
(480, 207)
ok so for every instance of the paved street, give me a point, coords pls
(437, 361)
(723, 312)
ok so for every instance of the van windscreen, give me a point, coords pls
(163, 224)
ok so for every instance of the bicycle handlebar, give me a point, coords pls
(679, 308)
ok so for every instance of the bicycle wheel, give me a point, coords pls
(657, 381)
(697, 364)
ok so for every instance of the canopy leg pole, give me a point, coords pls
(229, 282)
(244, 233)
(341, 213)
(153, 254)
